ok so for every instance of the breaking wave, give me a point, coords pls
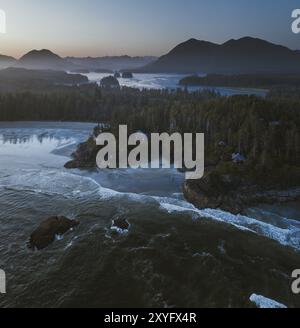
(289, 236)
(71, 185)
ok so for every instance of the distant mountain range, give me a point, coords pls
(112, 63)
(6, 61)
(45, 59)
(243, 56)
(42, 59)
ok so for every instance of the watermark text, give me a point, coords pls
(155, 151)
(296, 22)
(2, 282)
(2, 21)
(296, 282)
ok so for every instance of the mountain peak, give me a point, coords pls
(246, 55)
(40, 54)
(195, 42)
(192, 46)
(41, 59)
(246, 39)
(4, 57)
(192, 40)
(6, 61)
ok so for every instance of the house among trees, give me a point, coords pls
(238, 158)
(275, 123)
(222, 144)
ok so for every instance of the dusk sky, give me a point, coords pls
(139, 27)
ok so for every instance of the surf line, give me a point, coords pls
(176, 150)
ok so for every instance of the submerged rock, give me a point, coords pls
(120, 224)
(46, 233)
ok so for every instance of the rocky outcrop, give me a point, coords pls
(127, 75)
(86, 152)
(229, 184)
(84, 156)
(120, 224)
(110, 82)
(233, 193)
(48, 230)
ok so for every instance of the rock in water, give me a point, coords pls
(84, 156)
(127, 75)
(120, 224)
(110, 82)
(45, 234)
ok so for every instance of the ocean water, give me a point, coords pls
(173, 255)
(171, 81)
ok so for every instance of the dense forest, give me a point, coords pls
(264, 130)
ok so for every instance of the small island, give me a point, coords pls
(127, 75)
(110, 82)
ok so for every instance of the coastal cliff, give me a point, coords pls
(232, 184)
(86, 152)
(235, 188)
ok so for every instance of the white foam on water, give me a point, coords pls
(283, 220)
(51, 182)
(59, 237)
(65, 143)
(266, 303)
(119, 230)
(286, 237)
(75, 185)
(108, 194)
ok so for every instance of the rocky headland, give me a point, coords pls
(230, 182)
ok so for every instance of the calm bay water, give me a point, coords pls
(173, 255)
(171, 81)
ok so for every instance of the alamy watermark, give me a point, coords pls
(296, 22)
(155, 151)
(2, 21)
(296, 282)
(2, 282)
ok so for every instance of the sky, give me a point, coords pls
(140, 27)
